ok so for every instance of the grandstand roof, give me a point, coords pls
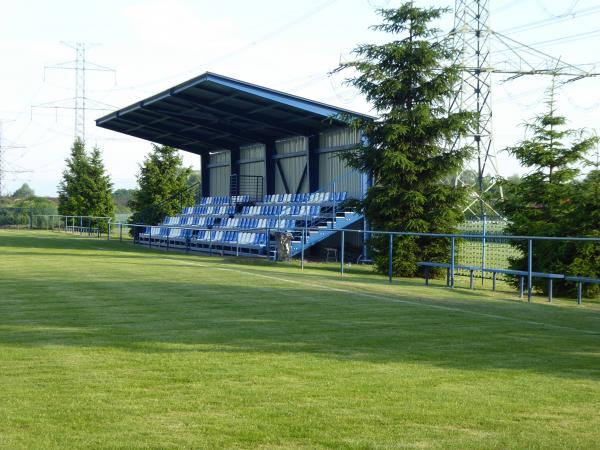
(213, 112)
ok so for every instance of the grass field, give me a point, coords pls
(105, 345)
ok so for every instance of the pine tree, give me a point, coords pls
(410, 81)
(72, 189)
(547, 201)
(162, 186)
(85, 189)
(101, 200)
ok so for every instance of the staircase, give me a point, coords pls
(324, 229)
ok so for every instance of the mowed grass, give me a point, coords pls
(105, 345)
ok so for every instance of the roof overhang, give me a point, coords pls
(212, 112)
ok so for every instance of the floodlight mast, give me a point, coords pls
(473, 38)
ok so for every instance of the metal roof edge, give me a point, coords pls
(306, 104)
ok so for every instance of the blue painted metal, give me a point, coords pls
(529, 268)
(315, 236)
(191, 115)
(390, 258)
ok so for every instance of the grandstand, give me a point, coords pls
(230, 225)
(269, 161)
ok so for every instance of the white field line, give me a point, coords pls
(387, 297)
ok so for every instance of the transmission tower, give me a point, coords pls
(474, 38)
(4, 171)
(80, 103)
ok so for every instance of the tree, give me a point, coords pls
(549, 201)
(162, 183)
(101, 201)
(85, 189)
(73, 188)
(409, 82)
(121, 198)
(24, 192)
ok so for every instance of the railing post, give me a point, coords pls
(333, 218)
(452, 260)
(390, 257)
(529, 268)
(302, 248)
(342, 253)
(483, 248)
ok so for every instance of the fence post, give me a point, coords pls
(390, 255)
(30, 218)
(452, 261)
(109, 225)
(150, 238)
(120, 232)
(529, 268)
(342, 253)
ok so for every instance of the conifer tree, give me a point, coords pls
(162, 186)
(549, 201)
(101, 200)
(72, 198)
(85, 189)
(410, 81)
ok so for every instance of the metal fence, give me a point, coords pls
(341, 248)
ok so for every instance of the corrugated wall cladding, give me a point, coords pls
(257, 168)
(219, 180)
(332, 167)
(291, 145)
(292, 168)
(219, 176)
(256, 151)
(220, 157)
(341, 136)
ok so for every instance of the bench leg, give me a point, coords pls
(494, 281)
(550, 290)
(426, 276)
(471, 280)
(521, 284)
(579, 289)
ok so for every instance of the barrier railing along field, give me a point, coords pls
(100, 226)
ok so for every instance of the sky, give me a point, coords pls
(282, 44)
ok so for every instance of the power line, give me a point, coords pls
(551, 21)
(286, 26)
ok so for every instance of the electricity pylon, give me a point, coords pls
(474, 37)
(81, 103)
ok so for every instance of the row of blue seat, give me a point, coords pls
(245, 223)
(224, 200)
(214, 210)
(204, 221)
(312, 197)
(180, 235)
(279, 210)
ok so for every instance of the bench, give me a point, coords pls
(519, 273)
(580, 282)
(434, 265)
